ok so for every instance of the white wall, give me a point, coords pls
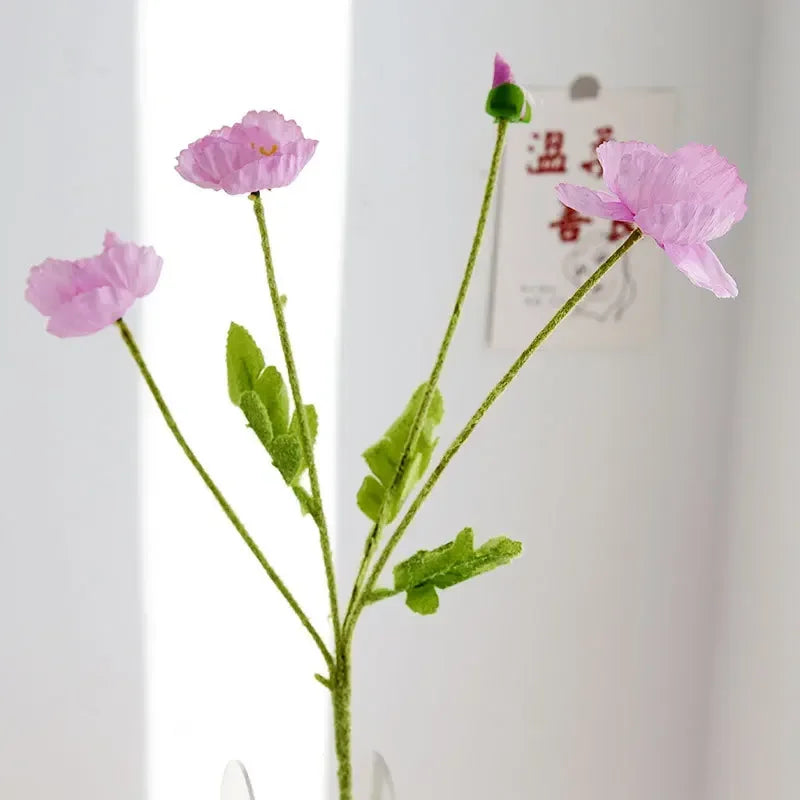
(756, 736)
(583, 671)
(71, 700)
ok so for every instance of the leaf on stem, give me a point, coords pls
(257, 417)
(245, 362)
(271, 388)
(287, 456)
(304, 498)
(457, 561)
(383, 458)
(260, 391)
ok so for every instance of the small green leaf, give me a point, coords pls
(272, 390)
(287, 456)
(448, 565)
(257, 418)
(245, 362)
(369, 497)
(313, 423)
(383, 458)
(494, 553)
(426, 565)
(423, 599)
(306, 501)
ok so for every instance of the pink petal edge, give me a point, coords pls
(702, 267)
(593, 203)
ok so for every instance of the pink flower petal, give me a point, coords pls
(685, 222)
(90, 312)
(270, 172)
(595, 204)
(502, 72)
(51, 284)
(610, 155)
(700, 264)
(188, 168)
(712, 174)
(646, 179)
(275, 125)
(129, 266)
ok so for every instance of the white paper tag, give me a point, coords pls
(544, 251)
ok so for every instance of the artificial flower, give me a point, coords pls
(683, 201)
(84, 296)
(263, 151)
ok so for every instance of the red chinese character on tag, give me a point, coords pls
(619, 230)
(569, 226)
(603, 135)
(553, 159)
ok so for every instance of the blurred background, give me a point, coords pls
(646, 646)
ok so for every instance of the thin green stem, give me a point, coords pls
(342, 722)
(300, 410)
(127, 337)
(467, 430)
(430, 387)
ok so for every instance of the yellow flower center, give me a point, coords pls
(263, 150)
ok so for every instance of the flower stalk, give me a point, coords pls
(130, 342)
(433, 381)
(300, 410)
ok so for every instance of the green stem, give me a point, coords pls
(300, 410)
(465, 433)
(127, 337)
(433, 380)
(342, 723)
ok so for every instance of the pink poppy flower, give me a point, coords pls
(84, 296)
(683, 201)
(263, 151)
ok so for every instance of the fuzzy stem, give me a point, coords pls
(465, 433)
(300, 410)
(127, 337)
(342, 723)
(430, 387)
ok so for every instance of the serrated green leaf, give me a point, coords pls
(423, 599)
(488, 556)
(369, 497)
(287, 456)
(313, 423)
(244, 361)
(450, 564)
(383, 457)
(380, 459)
(294, 429)
(305, 499)
(257, 418)
(271, 388)
(426, 565)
